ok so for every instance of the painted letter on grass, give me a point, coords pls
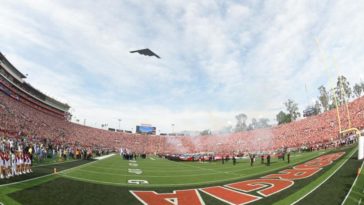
(268, 186)
(180, 197)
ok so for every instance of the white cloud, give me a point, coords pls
(218, 58)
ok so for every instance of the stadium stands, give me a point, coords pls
(19, 119)
(23, 115)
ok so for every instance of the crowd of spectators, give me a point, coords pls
(30, 126)
(310, 133)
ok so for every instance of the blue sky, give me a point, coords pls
(219, 58)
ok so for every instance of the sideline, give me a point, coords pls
(42, 165)
(352, 186)
(47, 175)
(312, 190)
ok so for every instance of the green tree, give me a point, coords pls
(317, 107)
(332, 103)
(357, 89)
(292, 109)
(343, 89)
(264, 122)
(241, 122)
(205, 132)
(253, 125)
(312, 109)
(258, 123)
(282, 118)
(324, 98)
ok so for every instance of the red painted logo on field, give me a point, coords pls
(230, 196)
(181, 197)
(293, 174)
(268, 186)
(237, 193)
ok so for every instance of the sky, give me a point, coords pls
(218, 58)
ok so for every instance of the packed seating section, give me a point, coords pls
(18, 119)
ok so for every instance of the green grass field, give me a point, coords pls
(356, 196)
(106, 181)
(161, 172)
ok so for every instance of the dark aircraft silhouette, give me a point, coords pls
(146, 52)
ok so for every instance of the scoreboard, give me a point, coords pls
(145, 129)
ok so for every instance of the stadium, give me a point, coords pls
(137, 120)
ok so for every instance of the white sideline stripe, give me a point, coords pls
(104, 157)
(347, 195)
(31, 179)
(98, 158)
(42, 165)
(324, 180)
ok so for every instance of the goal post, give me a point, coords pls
(360, 140)
(361, 148)
(341, 91)
(350, 129)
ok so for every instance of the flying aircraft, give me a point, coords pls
(146, 52)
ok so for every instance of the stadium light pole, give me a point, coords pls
(172, 128)
(119, 122)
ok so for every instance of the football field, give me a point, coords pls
(162, 172)
(114, 180)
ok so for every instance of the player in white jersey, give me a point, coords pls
(13, 165)
(6, 165)
(17, 159)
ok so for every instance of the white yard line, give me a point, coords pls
(150, 176)
(347, 195)
(324, 180)
(104, 157)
